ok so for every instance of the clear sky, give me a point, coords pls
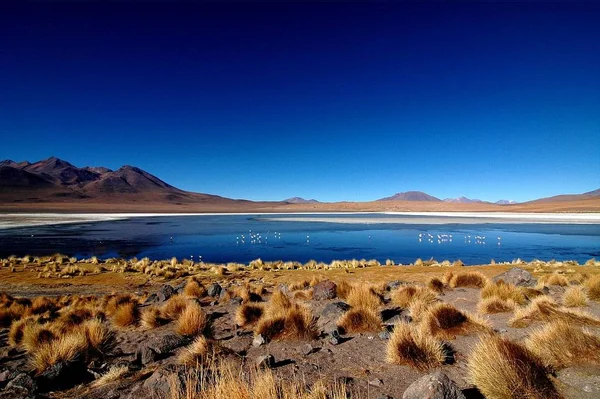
(327, 101)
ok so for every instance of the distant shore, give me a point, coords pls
(15, 220)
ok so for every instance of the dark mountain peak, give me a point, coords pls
(8, 162)
(300, 200)
(56, 162)
(411, 196)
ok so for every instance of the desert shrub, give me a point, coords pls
(501, 369)
(503, 291)
(561, 344)
(554, 279)
(406, 295)
(193, 320)
(151, 318)
(436, 285)
(410, 346)
(445, 321)
(468, 279)
(126, 315)
(593, 288)
(544, 308)
(173, 308)
(574, 297)
(360, 320)
(495, 305)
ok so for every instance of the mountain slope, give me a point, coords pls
(411, 196)
(300, 200)
(464, 200)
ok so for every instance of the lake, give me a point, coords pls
(242, 238)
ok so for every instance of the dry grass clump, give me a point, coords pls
(342, 289)
(445, 321)
(436, 285)
(304, 295)
(360, 320)
(468, 279)
(410, 346)
(406, 295)
(126, 315)
(65, 348)
(34, 335)
(173, 308)
(543, 308)
(561, 344)
(227, 380)
(249, 313)
(496, 305)
(593, 288)
(201, 352)
(554, 279)
(574, 297)
(503, 369)
(193, 320)
(194, 289)
(503, 291)
(15, 334)
(151, 318)
(115, 373)
(531, 293)
(363, 297)
(284, 319)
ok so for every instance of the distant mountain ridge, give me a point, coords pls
(411, 196)
(505, 202)
(300, 200)
(464, 200)
(55, 179)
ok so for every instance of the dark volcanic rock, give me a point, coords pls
(158, 347)
(330, 314)
(214, 290)
(266, 361)
(63, 376)
(436, 385)
(160, 383)
(324, 290)
(518, 277)
(165, 292)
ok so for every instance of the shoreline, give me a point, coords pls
(19, 220)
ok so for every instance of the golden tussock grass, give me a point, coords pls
(15, 334)
(544, 308)
(194, 289)
(34, 335)
(574, 297)
(531, 293)
(495, 305)
(151, 318)
(65, 348)
(99, 337)
(554, 279)
(300, 285)
(342, 289)
(436, 285)
(279, 303)
(228, 380)
(445, 321)
(248, 314)
(115, 373)
(358, 320)
(199, 353)
(593, 288)
(304, 295)
(406, 295)
(174, 306)
(294, 322)
(410, 346)
(364, 298)
(468, 279)
(561, 344)
(448, 277)
(126, 315)
(502, 369)
(503, 291)
(112, 302)
(193, 320)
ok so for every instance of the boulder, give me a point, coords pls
(436, 385)
(330, 314)
(160, 383)
(165, 292)
(63, 376)
(518, 277)
(581, 381)
(158, 347)
(324, 290)
(214, 290)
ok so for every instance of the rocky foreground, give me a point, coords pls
(458, 334)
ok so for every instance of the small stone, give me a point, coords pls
(376, 382)
(258, 340)
(436, 385)
(306, 349)
(385, 335)
(165, 292)
(334, 337)
(236, 301)
(266, 361)
(214, 290)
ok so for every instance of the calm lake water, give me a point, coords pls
(242, 238)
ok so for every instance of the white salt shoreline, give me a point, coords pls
(13, 220)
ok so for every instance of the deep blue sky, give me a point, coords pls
(334, 102)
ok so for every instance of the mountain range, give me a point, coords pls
(55, 184)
